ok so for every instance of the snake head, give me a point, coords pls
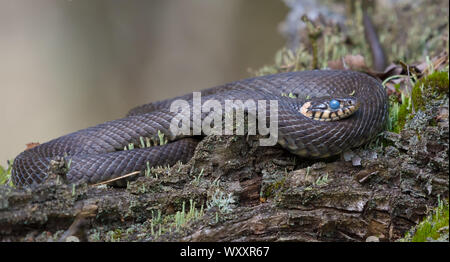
(329, 108)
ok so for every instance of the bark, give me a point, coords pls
(381, 190)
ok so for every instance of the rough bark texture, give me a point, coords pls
(380, 190)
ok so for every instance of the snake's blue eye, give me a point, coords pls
(334, 104)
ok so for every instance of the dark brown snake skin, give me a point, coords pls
(96, 153)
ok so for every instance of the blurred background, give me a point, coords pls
(69, 64)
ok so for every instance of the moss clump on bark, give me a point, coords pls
(433, 228)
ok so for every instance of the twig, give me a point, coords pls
(117, 178)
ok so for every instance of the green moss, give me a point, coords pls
(433, 227)
(417, 97)
(114, 235)
(5, 175)
(399, 113)
(436, 81)
(273, 188)
(159, 224)
(152, 228)
(433, 85)
(403, 114)
(424, 90)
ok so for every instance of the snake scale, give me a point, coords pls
(96, 153)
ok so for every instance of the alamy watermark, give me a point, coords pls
(213, 115)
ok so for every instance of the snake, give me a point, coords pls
(97, 153)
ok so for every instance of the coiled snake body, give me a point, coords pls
(96, 153)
